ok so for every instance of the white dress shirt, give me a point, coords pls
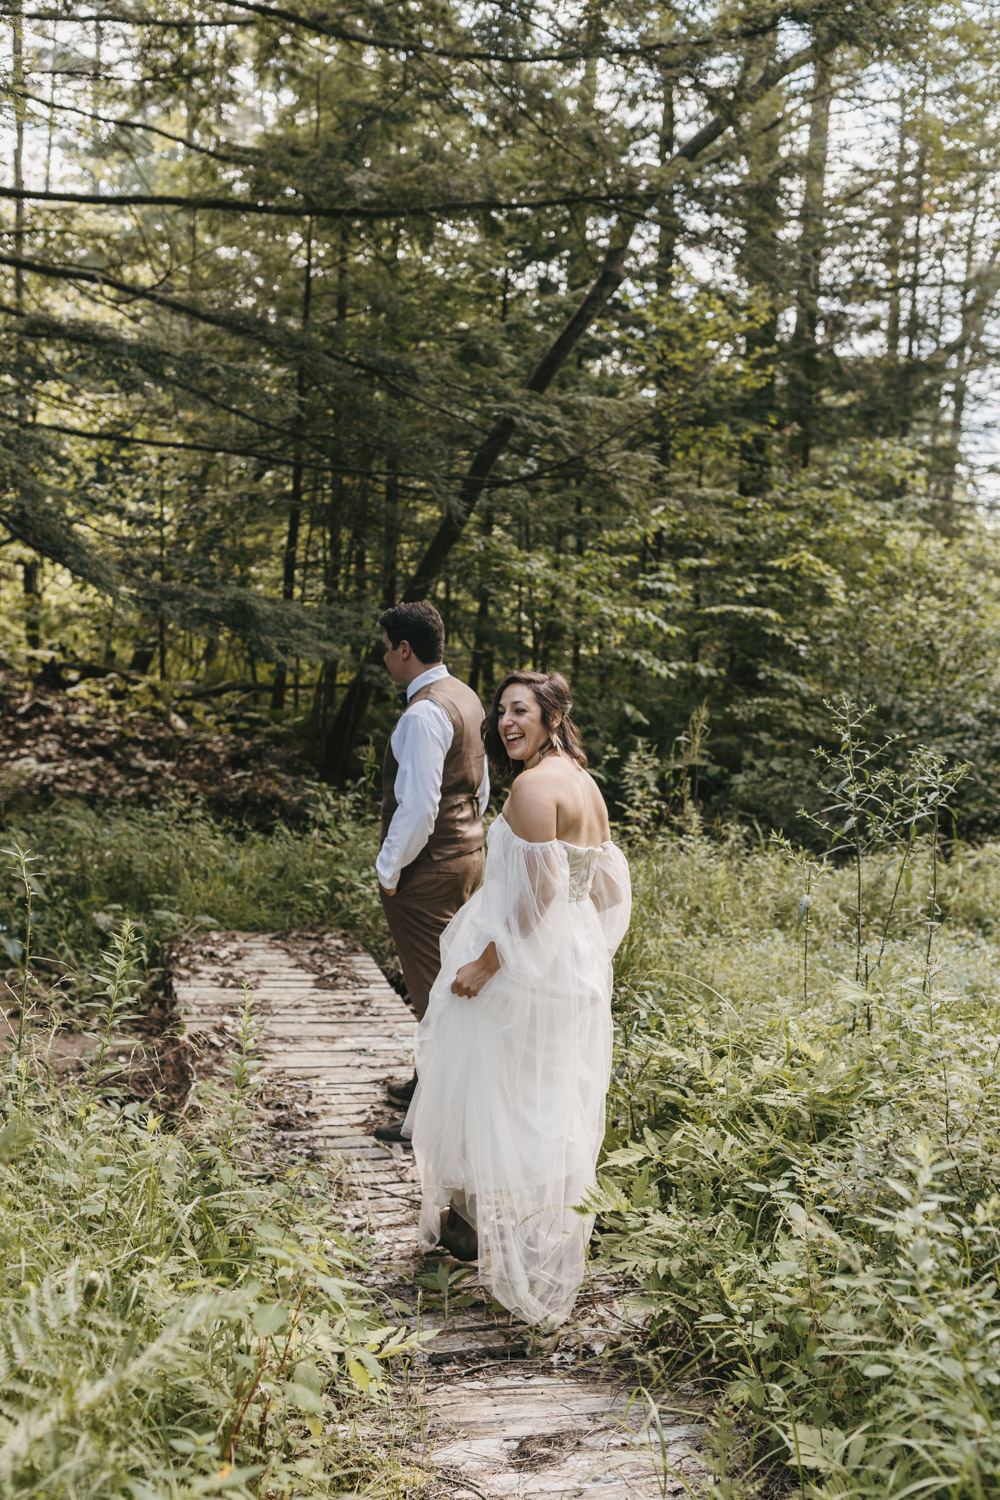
(420, 742)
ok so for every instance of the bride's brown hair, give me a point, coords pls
(555, 701)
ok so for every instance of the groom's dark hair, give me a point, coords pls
(420, 624)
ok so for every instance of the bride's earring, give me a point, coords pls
(557, 741)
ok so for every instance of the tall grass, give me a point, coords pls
(175, 868)
(174, 1320)
(803, 1169)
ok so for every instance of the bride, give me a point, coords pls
(514, 1052)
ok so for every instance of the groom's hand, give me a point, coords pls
(388, 891)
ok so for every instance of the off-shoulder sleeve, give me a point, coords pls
(524, 903)
(611, 893)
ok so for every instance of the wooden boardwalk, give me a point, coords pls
(505, 1413)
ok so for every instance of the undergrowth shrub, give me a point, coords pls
(801, 1166)
(175, 868)
(174, 1320)
(800, 1171)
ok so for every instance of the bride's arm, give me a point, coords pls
(531, 812)
(611, 893)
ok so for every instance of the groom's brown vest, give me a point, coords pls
(459, 825)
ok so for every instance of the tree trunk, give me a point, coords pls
(32, 605)
(390, 539)
(295, 500)
(972, 336)
(51, 117)
(17, 80)
(29, 569)
(666, 255)
(804, 374)
(894, 239)
(908, 373)
(325, 697)
(758, 263)
(481, 664)
(578, 548)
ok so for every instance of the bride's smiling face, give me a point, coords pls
(520, 724)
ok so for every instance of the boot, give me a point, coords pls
(458, 1236)
(400, 1094)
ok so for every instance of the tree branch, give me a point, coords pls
(88, 114)
(308, 209)
(129, 440)
(270, 336)
(417, 46)
(270, 460)
(109, 18)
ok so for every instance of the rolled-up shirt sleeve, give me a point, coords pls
(420, 742)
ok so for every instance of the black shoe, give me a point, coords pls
(458, 1236)
(392, 1133)
(400, 1094)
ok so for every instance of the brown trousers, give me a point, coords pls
(429, 893)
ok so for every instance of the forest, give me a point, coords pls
(655, 343)
(652, 343)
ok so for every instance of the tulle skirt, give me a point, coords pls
(508, 1116)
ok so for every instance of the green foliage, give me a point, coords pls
(173, 869)
(174, 1321)
(800, 1164)
(654, 789)
(876, 808)
(234, 413)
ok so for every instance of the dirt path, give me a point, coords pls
(502, 1412)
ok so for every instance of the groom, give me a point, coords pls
(435, 787)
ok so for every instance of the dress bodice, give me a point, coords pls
(582, 862)
(582, 869)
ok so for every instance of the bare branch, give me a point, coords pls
(320, 25)
(167, 135)
(608, 202)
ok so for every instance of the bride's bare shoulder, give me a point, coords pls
(532, 807)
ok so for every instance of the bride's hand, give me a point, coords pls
(471, 977)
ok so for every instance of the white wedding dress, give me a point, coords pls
(509, 1110)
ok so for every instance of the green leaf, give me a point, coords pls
(269, 1318)
(13, 947)
(815, 1447)
(309, 1376)
(627, 1156)
(304, 1397)
(15, 1137)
